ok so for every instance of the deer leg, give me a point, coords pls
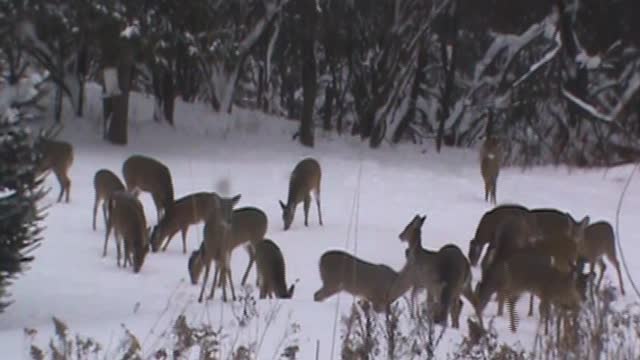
(456, 309)
(95, 211)
(307, 203)
(116, 235)
(105, 211)
(603, 268)
(530, 305)
(106, 238)
(252, 257)
(317, 196)
(230, 279)
(204, 281)
(61, 182)
(616, 264)
(217, 275)
(486, 190)
(494, 186)
(67, 187)
(184, 239)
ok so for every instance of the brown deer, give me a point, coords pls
(490, 160)
(305, 179)
(142, 173)
(599, 242)
(105, 182)
(248, 227)
(184, 212)
(57, 156)
(126, 217)
(271, 271)
(445, 274)
(534, 273)
(340, 271)
(549, 231)
(216, 246)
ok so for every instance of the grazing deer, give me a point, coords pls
(445, 274)
(126, 217)
(142, 173)
(490, 160)
(271, 271)
(105, 183)
(534, 273)
(487, 228)
(248, 227)
(184, 212)
(599, 242)
(558, 235)
(216, 246)
(305, 178)
(340, 271)
(57, 156)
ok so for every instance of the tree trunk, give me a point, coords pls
(329, 94)
(116, 108)
(410, 116)
(450, 39)
(309, 18)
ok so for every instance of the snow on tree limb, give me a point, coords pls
(632, 91)
(545, 59)
(586, 107)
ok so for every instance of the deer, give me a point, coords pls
(57, 156)
(445, 274)
(126, 218)
(490, 160)
(535, 273)
(105, 182)
(304, 179)
(340, 271)
(271, 271)
(599, 242)
(216, 247)
(559, 236)
(189, 210)
(142, 173)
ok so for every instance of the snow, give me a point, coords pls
(70, 280)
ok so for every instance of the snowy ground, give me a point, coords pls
(70, 280)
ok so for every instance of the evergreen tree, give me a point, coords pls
(20, 191)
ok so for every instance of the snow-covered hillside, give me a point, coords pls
(70, 280)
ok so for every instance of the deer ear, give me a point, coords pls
(282, 205)
(585, 222)
(235, 199)
(424, 217)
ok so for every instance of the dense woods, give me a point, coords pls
(557, 80)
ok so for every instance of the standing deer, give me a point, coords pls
(340, 271)
(445, 274)
(142, 173)
(58, 157)
(248, 227)
(216, 246)
(184, 212)
(305, 179)
(599, 242)
(271, 271)
(490, 160)
(126, 217)
(105, 183)
(534, 273)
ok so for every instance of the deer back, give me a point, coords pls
(149, 175)
(126, 215)
(356, 276)
(271, 266)
(56, 154)
(106, 182)
(248, 224)
(599, 239)
(561, 235)
(487, 227)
